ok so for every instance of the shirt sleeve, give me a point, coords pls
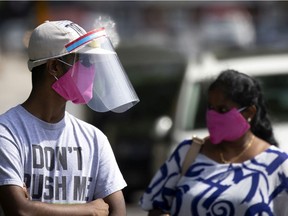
(161, 190)
(110, 178)
(11, 166)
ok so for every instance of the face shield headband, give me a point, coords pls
(109, 86)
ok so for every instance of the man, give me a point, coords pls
(56, 157)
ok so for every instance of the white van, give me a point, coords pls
(271, 69)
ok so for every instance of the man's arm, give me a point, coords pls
(14, 202)
(116, 204)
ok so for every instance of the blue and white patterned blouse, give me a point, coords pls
(255, 187)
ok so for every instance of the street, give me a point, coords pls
(134, 210)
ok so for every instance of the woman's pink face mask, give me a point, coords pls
(227, 126)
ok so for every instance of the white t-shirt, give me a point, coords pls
(67, 162)
(255, 187)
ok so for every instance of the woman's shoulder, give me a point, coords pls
(277, 149)
(184, 144)
(274, 156)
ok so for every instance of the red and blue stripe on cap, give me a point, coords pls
(84, 39)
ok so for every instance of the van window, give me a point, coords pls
(275, 92)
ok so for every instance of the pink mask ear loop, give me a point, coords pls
(54, 76)
(70, 65)
(242, 109)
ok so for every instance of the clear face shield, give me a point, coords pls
(98, 74)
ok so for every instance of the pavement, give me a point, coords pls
(135, 210)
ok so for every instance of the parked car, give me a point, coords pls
(269, 67)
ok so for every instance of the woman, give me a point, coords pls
(239, 169)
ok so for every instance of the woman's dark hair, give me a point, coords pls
(246, 91)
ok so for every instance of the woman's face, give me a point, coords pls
(218, 102)
(225, 120)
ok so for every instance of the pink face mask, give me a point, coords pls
(77, 87)
(227, 126)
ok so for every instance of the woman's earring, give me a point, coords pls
(249, 119)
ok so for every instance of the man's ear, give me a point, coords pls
(52, 67)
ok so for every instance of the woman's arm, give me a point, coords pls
(14, 202)
(116, 204)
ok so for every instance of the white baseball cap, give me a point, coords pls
(48, 41)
